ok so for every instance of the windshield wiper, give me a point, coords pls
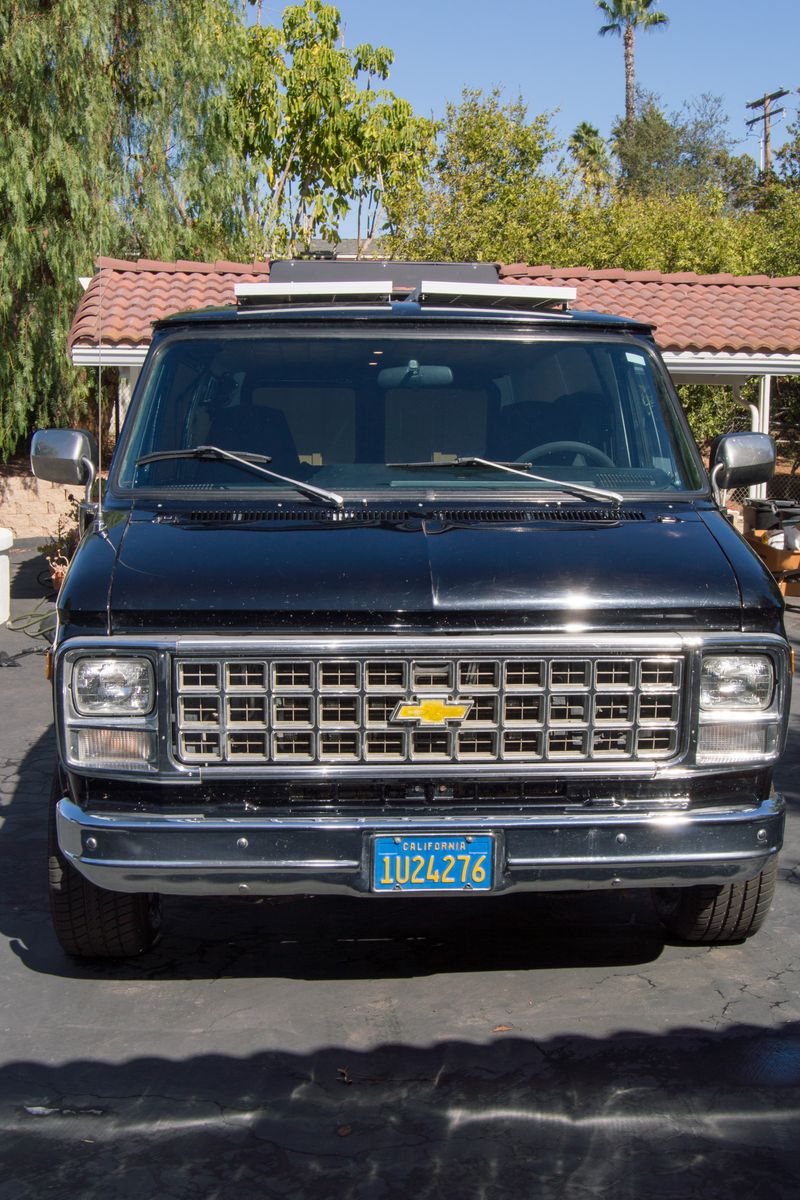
(250, 462)
(575, 489)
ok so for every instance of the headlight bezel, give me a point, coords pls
(124, 738)
(733, 734)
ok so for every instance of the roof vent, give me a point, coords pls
(496, 295)
(262, 294)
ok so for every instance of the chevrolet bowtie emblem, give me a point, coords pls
(436, 710)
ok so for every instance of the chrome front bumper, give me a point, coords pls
(201, 856)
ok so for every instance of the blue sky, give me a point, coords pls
(549, 51)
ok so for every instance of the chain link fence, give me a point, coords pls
(784, 485)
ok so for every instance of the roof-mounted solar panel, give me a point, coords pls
(496, 295)
(261, 294)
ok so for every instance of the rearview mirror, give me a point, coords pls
(414, 375)
(64, 456)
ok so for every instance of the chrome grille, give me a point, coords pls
(536, 709)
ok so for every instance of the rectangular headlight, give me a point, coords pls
(113, 687)
(736, 683)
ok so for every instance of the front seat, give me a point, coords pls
(522, 426)
(256, 430)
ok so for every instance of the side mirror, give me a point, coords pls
(742, 459)
(64, 456)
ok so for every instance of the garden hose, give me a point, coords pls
(39, 621)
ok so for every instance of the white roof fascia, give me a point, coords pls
(108, 356)
(727, 368)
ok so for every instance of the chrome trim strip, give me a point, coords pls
(388, 642)
(380, 643)
(145, 822)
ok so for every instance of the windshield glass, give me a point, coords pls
(359, 414)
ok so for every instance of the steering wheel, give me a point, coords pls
(548, 448)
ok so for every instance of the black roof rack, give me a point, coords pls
(405, 275)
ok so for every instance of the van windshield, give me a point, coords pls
(384, 413)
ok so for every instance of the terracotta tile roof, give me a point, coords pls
(135, 294)
(750, 314)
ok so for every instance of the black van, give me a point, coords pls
(409, 583)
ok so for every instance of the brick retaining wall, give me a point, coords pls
(30, 507)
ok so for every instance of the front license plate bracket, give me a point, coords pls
(433, 862)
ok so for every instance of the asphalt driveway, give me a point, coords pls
(531, 1047)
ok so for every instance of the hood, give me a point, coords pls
(657, 568)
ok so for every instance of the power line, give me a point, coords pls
(766, 116)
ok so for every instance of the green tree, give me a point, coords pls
(688, 151)
(658, 232)
(113, 140)
(711, 411)
(739, 177)
(316, 132)
(648, 149)
(590, 154)
(776, 232)
(788, 157)
(495, 190)
(624, 18)
(171, 68)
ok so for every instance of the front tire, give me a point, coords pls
(90, 921)
(716, 915)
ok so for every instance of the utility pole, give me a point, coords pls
(766, 116)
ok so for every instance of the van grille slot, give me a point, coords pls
(395, 516)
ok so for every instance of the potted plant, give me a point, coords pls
(60, 548)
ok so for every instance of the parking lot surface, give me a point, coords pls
(305, 1047)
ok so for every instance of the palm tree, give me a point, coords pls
(590, 153)
(624, 16)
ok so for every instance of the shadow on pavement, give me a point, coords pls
(31, 578)
(302, 937)
(699, 1114)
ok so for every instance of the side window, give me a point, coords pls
(650, 433)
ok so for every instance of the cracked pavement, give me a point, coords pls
(534, 1046)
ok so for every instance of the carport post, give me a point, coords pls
(759, 492)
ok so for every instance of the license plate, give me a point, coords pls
(432, 863)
